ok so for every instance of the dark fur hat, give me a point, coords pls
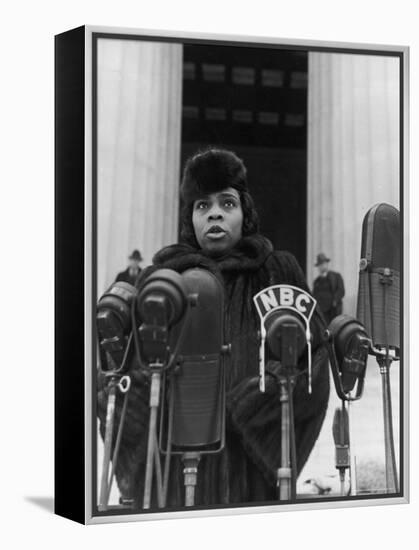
(211, 171)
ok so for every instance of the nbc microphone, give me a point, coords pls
(285, 336)
(285, 312)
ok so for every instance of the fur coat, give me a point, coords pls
(245, 471)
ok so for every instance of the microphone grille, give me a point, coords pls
(381, 238)
(378, 306)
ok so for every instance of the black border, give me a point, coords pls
(223, 42)
(69, 478)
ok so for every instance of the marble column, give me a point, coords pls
(353, 163)
(353, 155)
(139, 138)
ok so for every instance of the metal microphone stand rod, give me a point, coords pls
(110, 416)
(341, 437)
(384, 363)
(151, 447)
(289, 358)
(190, 471)
(284, 472)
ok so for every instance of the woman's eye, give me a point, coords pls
(201, 205)
(229, 203)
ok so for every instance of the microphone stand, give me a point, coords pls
(190, 472)
(286, 474)
(123, 383)
(153, 457)
(110, 416)
(341, 438)
(353, 479)
(384, 361)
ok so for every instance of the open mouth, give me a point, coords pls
(215, 232)
(215, 229)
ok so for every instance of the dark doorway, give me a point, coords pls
(254, 102)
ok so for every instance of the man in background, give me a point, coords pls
(133, 270)
(328, 289)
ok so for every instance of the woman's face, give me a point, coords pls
(217, 220)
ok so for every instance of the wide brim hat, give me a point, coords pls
(321, 259)
(211, 171)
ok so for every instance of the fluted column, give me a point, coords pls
(353, 155)
(139, 136)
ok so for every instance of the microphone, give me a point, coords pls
(113, 321)
(160, 304)
(285, 336)
(378, 305)
(195, 418)
(348, 350)
(285, 312)
(197, 382)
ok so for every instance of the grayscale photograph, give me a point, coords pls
(248, 274)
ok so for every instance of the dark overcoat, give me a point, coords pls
(126, 277)
(329, 291)
(245, 471)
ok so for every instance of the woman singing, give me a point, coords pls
(219, 232)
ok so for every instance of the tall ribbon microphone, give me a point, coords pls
(379, 307)
(195, 417)
(376, 329)
(379, 277)
(181, 335)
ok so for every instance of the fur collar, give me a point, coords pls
(249, 254)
